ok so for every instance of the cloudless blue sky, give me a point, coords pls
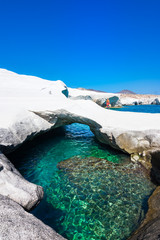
(108, 45)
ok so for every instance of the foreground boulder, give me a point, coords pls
(17, 224)
(14, 186)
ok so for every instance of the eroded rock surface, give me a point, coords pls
(150, 227)
(17, 224)
(14, 186)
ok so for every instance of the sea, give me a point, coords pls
(140, 108)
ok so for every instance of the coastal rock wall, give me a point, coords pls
(150, 227)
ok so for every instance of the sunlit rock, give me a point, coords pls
(29, 109)
(14, 186)
(15, 223)
(98, 97)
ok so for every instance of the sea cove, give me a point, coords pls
(91, 191)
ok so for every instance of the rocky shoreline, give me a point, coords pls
(116, 99)
(150, 227)
(31, 106)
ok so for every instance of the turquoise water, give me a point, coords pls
(91, 191)
(140, 108)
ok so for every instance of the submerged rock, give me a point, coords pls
(17, 224)
(107, 194)
(78, 165)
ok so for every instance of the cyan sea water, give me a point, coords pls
(141, 108)
(92, 192)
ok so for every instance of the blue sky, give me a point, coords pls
(108, 45)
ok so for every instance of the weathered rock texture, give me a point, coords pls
(150, 227)
(14, 186)
(17, 224)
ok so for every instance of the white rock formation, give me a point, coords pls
(30, 106)
(138, 99)
(98, 97)
(35, 111)
(14, 186)
(116, 99)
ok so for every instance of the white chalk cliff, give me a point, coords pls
(31, 106)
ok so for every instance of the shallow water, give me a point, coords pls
(94, 194)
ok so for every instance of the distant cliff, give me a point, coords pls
(125, 91)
